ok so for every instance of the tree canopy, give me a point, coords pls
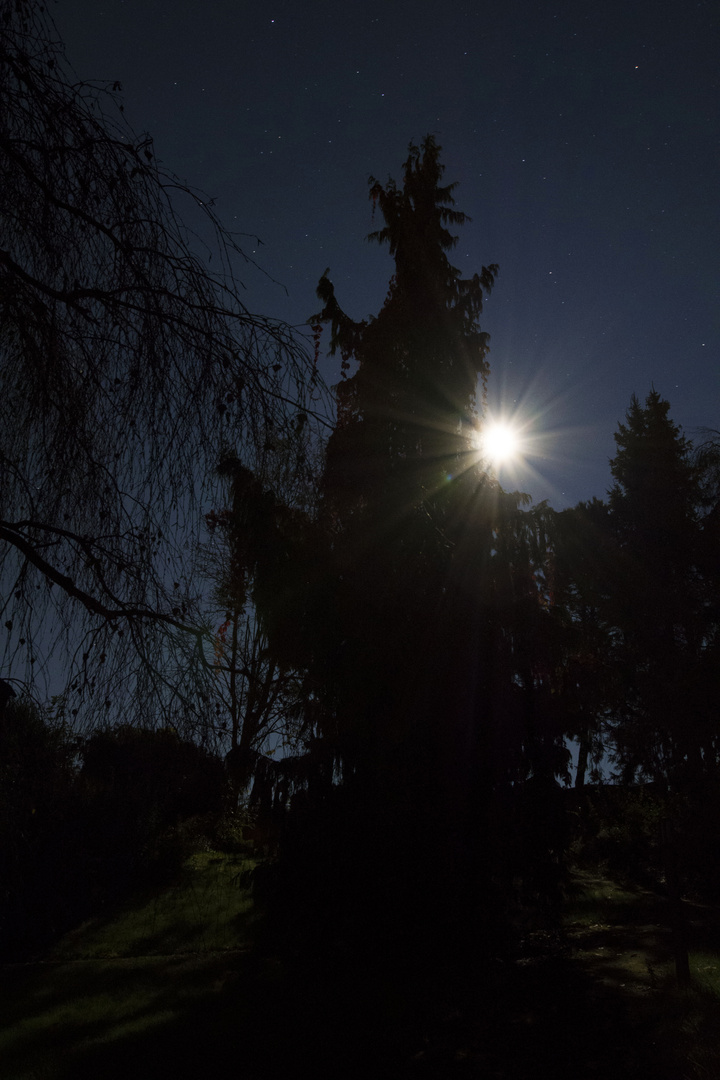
(659, 597)
(637, 593)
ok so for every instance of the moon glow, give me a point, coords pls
(500, 443)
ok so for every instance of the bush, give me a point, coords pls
(617, 828)
(149, 799)
(77, 837)
(37, 774)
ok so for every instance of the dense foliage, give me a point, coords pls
(84, 822)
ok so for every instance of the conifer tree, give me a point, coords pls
(423, 648)
(407, 413)
(401, 466)
(657, 600)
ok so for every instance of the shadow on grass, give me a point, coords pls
(621, 938)
(227, 1015)
(242, 1016)
(596, 1013)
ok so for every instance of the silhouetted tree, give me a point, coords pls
(265, 555)
(664, 626)
(401, 477)
(583, 564)
(707, 460)
(427, 683)
(125, 366)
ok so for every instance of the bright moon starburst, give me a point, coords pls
(500, 443)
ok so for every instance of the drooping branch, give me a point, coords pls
(126, 368)
(11, 534)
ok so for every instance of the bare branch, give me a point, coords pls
(126, 367)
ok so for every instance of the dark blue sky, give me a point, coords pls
(585, 137)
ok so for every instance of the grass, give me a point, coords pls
(595, 899)
(205, 910)
(620, 937)
(169, 985)
(118, 981)
(706, 970)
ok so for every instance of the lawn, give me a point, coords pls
(621, 938)
(208, 908)
(116, 981)
(171, 985)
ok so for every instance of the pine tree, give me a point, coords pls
(657, 600)
(406, 415)
(654, 498)
(401, 462)
(431, 692)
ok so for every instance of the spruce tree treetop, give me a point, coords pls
(655, 494)
(409, 406)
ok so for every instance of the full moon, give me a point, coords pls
(500, 443)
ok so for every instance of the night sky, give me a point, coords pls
(584, 136)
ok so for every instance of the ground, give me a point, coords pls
(594, 998)
(598, 999)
